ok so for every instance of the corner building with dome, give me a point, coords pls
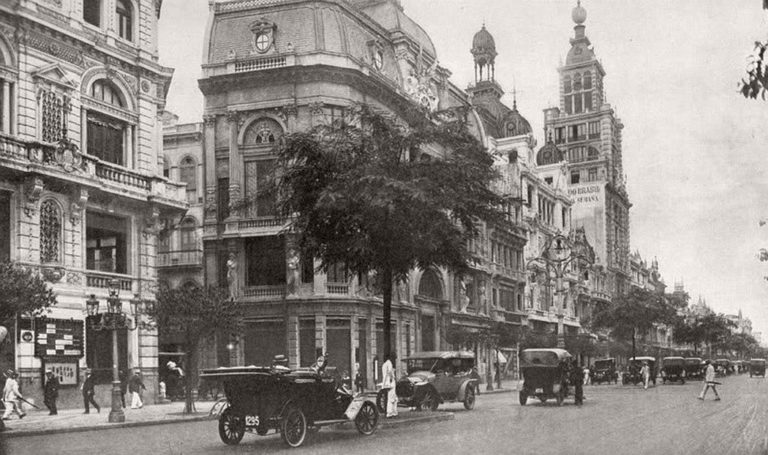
(279, 66)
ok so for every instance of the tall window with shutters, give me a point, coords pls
(50, 232)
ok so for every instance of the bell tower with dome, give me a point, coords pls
(585, 126)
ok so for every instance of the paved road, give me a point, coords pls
(667, 419)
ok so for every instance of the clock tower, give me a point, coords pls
(585, 126)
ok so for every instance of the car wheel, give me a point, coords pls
(293, 427)
(523, 398)
(367, 419)
(231, 427)
(429, 401)
(469, 399)
(381, 400)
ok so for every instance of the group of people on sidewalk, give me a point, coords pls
(135, 386)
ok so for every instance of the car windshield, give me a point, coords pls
(421, 365)
(668, 362)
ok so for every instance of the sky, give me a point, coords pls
(694, 149)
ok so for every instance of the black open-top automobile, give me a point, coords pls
(633, 376)
(604, 370)
(757, 367)
(545, 374)
(673, 369)
(694, 368)
(291, 402)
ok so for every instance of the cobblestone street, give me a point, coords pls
(614, 419)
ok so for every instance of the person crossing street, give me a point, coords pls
(11, 396)
(709, 381)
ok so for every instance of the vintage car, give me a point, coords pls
(435, 377)
(737, 366)
(633, 376)
(723, 367)
(673, 369)
(694, 368)
(604, 370)
(291, 402)
(757, 367)
(545, 374)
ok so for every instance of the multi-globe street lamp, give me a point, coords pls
(113, 320)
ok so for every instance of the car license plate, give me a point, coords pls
(539, 390)
(252, 421)
(354, 408)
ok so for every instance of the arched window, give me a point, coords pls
(188, 175)
(587, 80)
(262, 132)
(50, 232)
(567, 84)
(577, 82)
(92, 12)
(430, 285)
(124, 19)
(188, 231)
(108, 137)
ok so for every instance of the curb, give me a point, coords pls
(433, 417)
(7, 434)
(495, 391)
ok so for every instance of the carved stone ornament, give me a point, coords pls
(263, 36)
(52, 274)
(68, 156)
(316, 108)
(421, 88)
(153, 224)
(145, 86)
(77, 207)
(209, 120)
(33, 188)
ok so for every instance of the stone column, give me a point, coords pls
(210, 168)
(235, 162)
(15, 109)
(6, 107)
(84, 131)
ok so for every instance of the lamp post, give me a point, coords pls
(113, 320)
(557, 256)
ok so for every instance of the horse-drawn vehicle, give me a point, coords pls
(673, 369)
(290, 402)
(545, 374)
(604, 370)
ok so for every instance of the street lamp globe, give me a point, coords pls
(92, 305)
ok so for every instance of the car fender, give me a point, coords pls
(463, 388)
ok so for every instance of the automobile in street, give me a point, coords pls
(756, 367)
(633, 376)
(290, 402)
(694, 368)
(723, 367)
(673, 369)
(604, 370)
(435, 377)
(545, 374)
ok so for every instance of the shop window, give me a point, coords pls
(106, 239)
(92, 12)
(338, 340)
(188, 175)
(124, 13)
(264, 340)
(50, 232)
(265, 261)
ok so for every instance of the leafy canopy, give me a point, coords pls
(364, 194)
(635, 312)
(22, 291)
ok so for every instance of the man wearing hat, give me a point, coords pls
(51, 391)
(11, 396)
(135, 386)
(709, 381)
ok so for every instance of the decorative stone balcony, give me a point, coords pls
(94, 279)
(180, 258)
(264, 292)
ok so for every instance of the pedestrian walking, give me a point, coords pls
(123, 386)
(476, 376)
(89, 390)
(135, 386)
(576, 377)
(388, 382)
(11, 396)
(587, 378)
(645, 372)
(51, 391)
(709, 381)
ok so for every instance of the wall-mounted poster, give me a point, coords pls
(59, 338)
(65, 371)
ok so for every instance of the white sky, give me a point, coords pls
(694, 149)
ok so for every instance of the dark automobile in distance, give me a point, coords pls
(723, 367)
(604, 370)
(289, 402)
(435, 377)
(694, 368)
(633, 376)
(757, 367)
(545, 374)
(673, 369)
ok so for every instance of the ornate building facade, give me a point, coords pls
(286, 66)
(586, 129)
(81, 188)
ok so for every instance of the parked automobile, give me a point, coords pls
(673, 369)
(604, 370)
(545, 374)
(633, 376)
(435, 377)
(723, 367)
(737, 366)
(694, 368)
(264, 399)
(757, 367)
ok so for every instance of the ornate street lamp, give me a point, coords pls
(113, 320)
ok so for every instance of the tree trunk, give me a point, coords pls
(386, 283)
(633, 343)
(190, 378)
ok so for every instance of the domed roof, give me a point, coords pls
(549, 154)
(390, 16)
(516, 124)
(483, 40)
